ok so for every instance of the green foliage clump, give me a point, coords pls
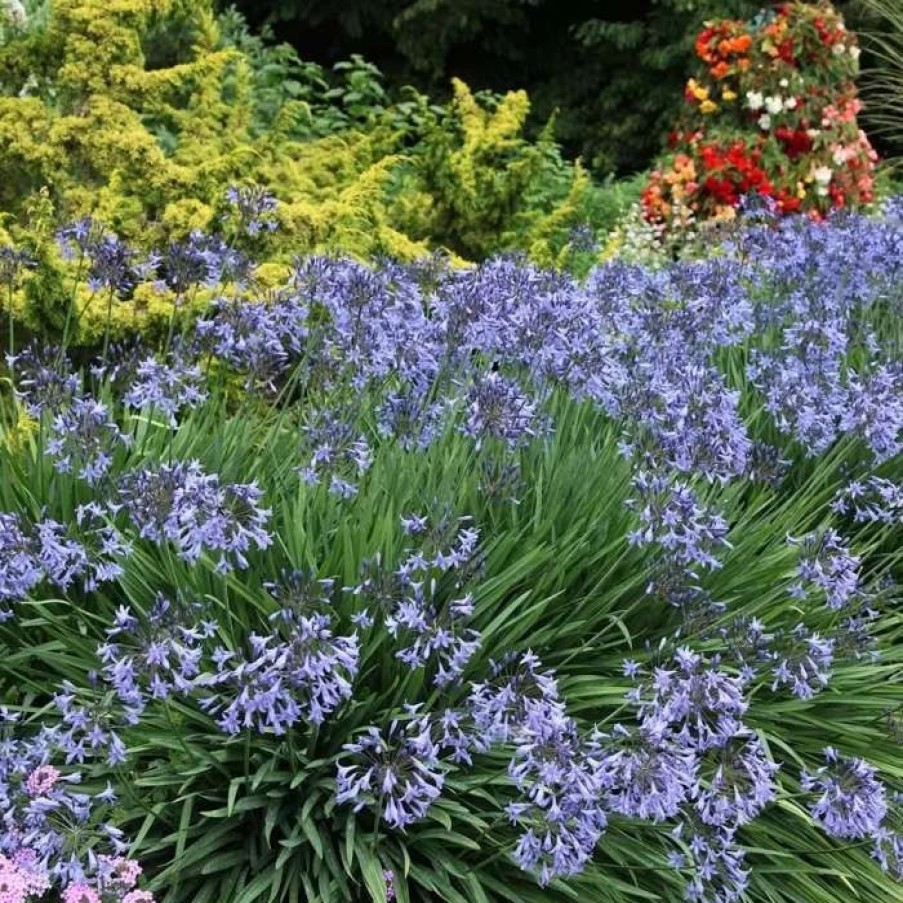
(883, 83)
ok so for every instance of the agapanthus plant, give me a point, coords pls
(340, 585)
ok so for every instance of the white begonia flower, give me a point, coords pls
(754, 100)
(774, 105)
(784, 83)
(790, 103)
(765, 122)
(839, 49)
(822, 174)
(854, 52)
(841, 155)
(813, 133)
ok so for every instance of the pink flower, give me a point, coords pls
(80, 893)
(42, 780)
(138, 896)
(124, 872)
(37, 881)
(13, 886)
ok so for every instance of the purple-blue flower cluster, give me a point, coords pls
(164, 389)
(873, 500)
(397, 772)
(300, 673)
(154, 657)
(112, 264)
(92, 551)
(193, 510)
(848, 800)
(83, 439)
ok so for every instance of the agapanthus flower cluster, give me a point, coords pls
(873, 500)
(701, 705)
(181, 504)
(561, 808)
(692, 758)
(429, 632)
(561, 776)
(377, 324)
(20, 570)
(91, 550)
(340, 455)
(716, 861)
(427, 627)
(83, 439)
(253, 338)
(737, 783)
(105, 546)
(848, 799)
(398, 772)
(198, 260)
(497, 408)
(113, 265)
(91, 723)
(163, 390)
(518, 690)
(410, 417)
(252, 207)
(674, 520)
(653, 775)
(301, 672)
(827, 567)
(43, 379)
(802, 661)
(888, 849)
(155, 655)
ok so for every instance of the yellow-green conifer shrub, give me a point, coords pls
(484, 188)
(150, 150)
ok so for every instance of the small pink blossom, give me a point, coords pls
(138, 896)
(13, 886)
(42, 780)
(80, 893)
(124, 872)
